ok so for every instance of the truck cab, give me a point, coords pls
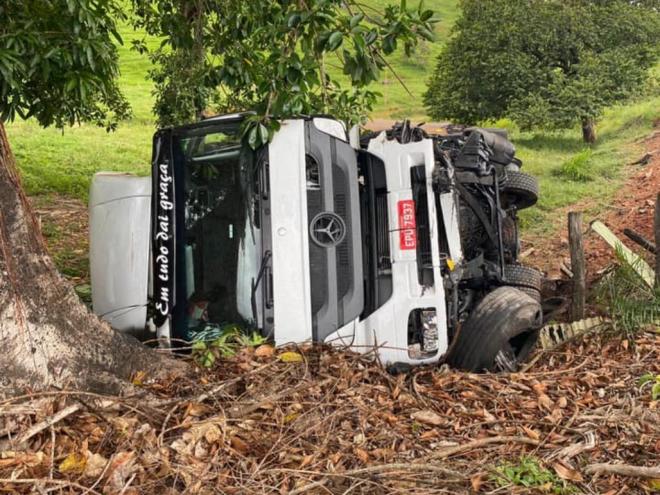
(306, 239)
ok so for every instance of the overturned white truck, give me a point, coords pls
(406, 246)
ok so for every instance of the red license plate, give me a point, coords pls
(407, 225)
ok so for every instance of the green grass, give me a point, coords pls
(553, 157)
(630, 302)
(577, 168)
(414, 71)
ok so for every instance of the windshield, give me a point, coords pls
(222, 253)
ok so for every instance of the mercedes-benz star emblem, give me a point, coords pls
(327, 229)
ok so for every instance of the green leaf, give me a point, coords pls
(335, 41)
(263, 134)
(70, 85)
(199, 346)
(293, 75)
(655, 391)
(389, 44)
(359, 43)
(90, 56)
(208, 359)
(252, 137)
(355, 20)
(426, 15)
(294, 20)
(116, 35)
(427, 34)
(82, 87)
(646, 378)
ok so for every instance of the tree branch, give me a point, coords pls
(624, 470)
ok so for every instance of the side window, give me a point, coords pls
(217, 141)
(204, 145)
(375, 230)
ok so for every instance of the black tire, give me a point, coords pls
(525, 279)
(533, 293)
(504, 326)
(520, 190)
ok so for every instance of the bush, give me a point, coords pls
(578, 167)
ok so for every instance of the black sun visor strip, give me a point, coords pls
(163, 229)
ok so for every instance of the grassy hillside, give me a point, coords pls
(413, 71)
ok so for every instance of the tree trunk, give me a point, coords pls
(589, 130)
(49, 338)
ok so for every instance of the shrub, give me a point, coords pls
(577, 168)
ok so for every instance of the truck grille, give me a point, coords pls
(317, 255)
(344, 277)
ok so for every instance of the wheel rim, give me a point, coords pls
(516, 351)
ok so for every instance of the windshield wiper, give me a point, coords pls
(255, 285)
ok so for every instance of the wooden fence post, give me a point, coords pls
(657, 240)
(578, 266)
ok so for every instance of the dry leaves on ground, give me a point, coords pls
(334, 422)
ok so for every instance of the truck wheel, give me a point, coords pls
(499, 333)
(520, 190)
(524, 278)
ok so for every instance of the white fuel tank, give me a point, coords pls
(119, 247)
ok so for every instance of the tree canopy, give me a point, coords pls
(546, 63)
(272, 57)
(58, 62)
